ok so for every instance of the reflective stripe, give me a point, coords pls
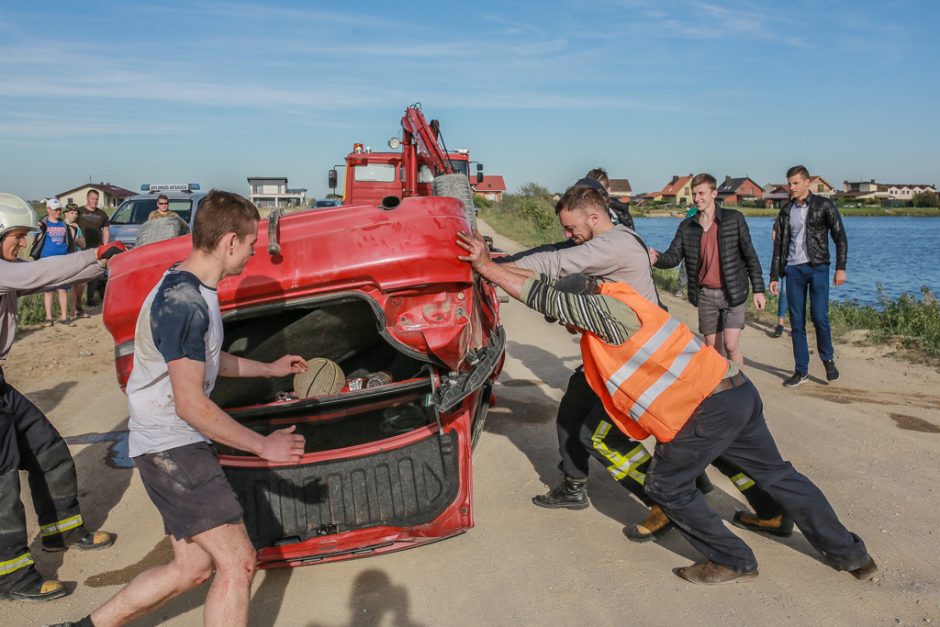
(18, 562)
(621, 465)
(742, 482)
(61, 526)
(642, 354)
(669, 377)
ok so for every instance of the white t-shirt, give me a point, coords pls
(179, 319)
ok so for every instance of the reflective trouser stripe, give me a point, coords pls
(16, 563)
(639, 358)
(742, 482)
(676, 368)
(61, 526)
(621, 465)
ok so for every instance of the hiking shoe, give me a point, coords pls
(781, 526)
(798, 378)
(711, 573)
(655, 525)
(832, 373)
(41, 590)
(778, 331)
(570, 493)
(866, 572)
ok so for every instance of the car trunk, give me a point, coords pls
(374, 457)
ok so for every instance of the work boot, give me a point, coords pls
(781, 525)
(711, 573)
(570, 493)
(655, 525)
(37, 590)
(866, 572)
(91, 541)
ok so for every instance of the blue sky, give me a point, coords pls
(539, 91)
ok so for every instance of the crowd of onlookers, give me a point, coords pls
(66, 230)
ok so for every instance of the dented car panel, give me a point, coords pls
(375, 290)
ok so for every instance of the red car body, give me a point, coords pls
(374, 289)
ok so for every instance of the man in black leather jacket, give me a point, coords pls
(801, 254)
(719, 258)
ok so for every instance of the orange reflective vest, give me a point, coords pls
(653, 382)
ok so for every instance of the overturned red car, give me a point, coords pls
(376, 289)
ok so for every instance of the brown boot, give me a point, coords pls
(711, 573)
(655, 525)
(781, 525)
(867, 572)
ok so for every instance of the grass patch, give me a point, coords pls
(31, 310)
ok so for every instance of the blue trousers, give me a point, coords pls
(782, 298)
(731, 424)
(802, 279)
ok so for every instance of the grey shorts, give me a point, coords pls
(715, 314)
(190, 490)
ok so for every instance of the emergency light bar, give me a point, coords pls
(170, 187)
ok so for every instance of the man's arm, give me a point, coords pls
(234, 366)
(33, 276)
(193, 406)
(589, 312)
(105, 230)
(837, 231)
(673, 255)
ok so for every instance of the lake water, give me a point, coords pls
(898, 253)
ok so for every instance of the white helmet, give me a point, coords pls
(15, 213)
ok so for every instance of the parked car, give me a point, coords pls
(380, 291)
(130, 214)
(328, 202)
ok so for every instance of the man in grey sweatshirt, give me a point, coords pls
(28, 441)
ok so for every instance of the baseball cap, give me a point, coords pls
(53, 203)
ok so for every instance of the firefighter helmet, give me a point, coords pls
(15, 213)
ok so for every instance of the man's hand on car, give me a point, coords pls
(283, 446)
(479, 253)
(287, 365)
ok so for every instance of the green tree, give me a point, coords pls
(925, 199)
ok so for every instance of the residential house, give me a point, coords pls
(492, 187)
(775, 195)
(109, 196)
(678, 191)
(820, 186)
(734, 191)
(906, 191)
(620, 189)
(272, 191)
(862, 190)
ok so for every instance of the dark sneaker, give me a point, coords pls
(778, 331)
(867, 572)
(570, 493)
(655, 525)
(781, 525)
(832, 373)
(42, 590)
(797, 379)
(710, 573)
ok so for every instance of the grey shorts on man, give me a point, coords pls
(715, 314)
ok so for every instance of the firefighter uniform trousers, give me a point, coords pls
(627, 460)
(29, 442)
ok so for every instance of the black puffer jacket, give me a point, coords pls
(622, 211)
(822, 219)
(736, 255)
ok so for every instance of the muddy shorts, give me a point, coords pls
(190, 490)
(715, 314)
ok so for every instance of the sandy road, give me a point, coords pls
(866, 440)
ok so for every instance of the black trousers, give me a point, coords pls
(585, 431)
(731, 425)
(29, 442)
